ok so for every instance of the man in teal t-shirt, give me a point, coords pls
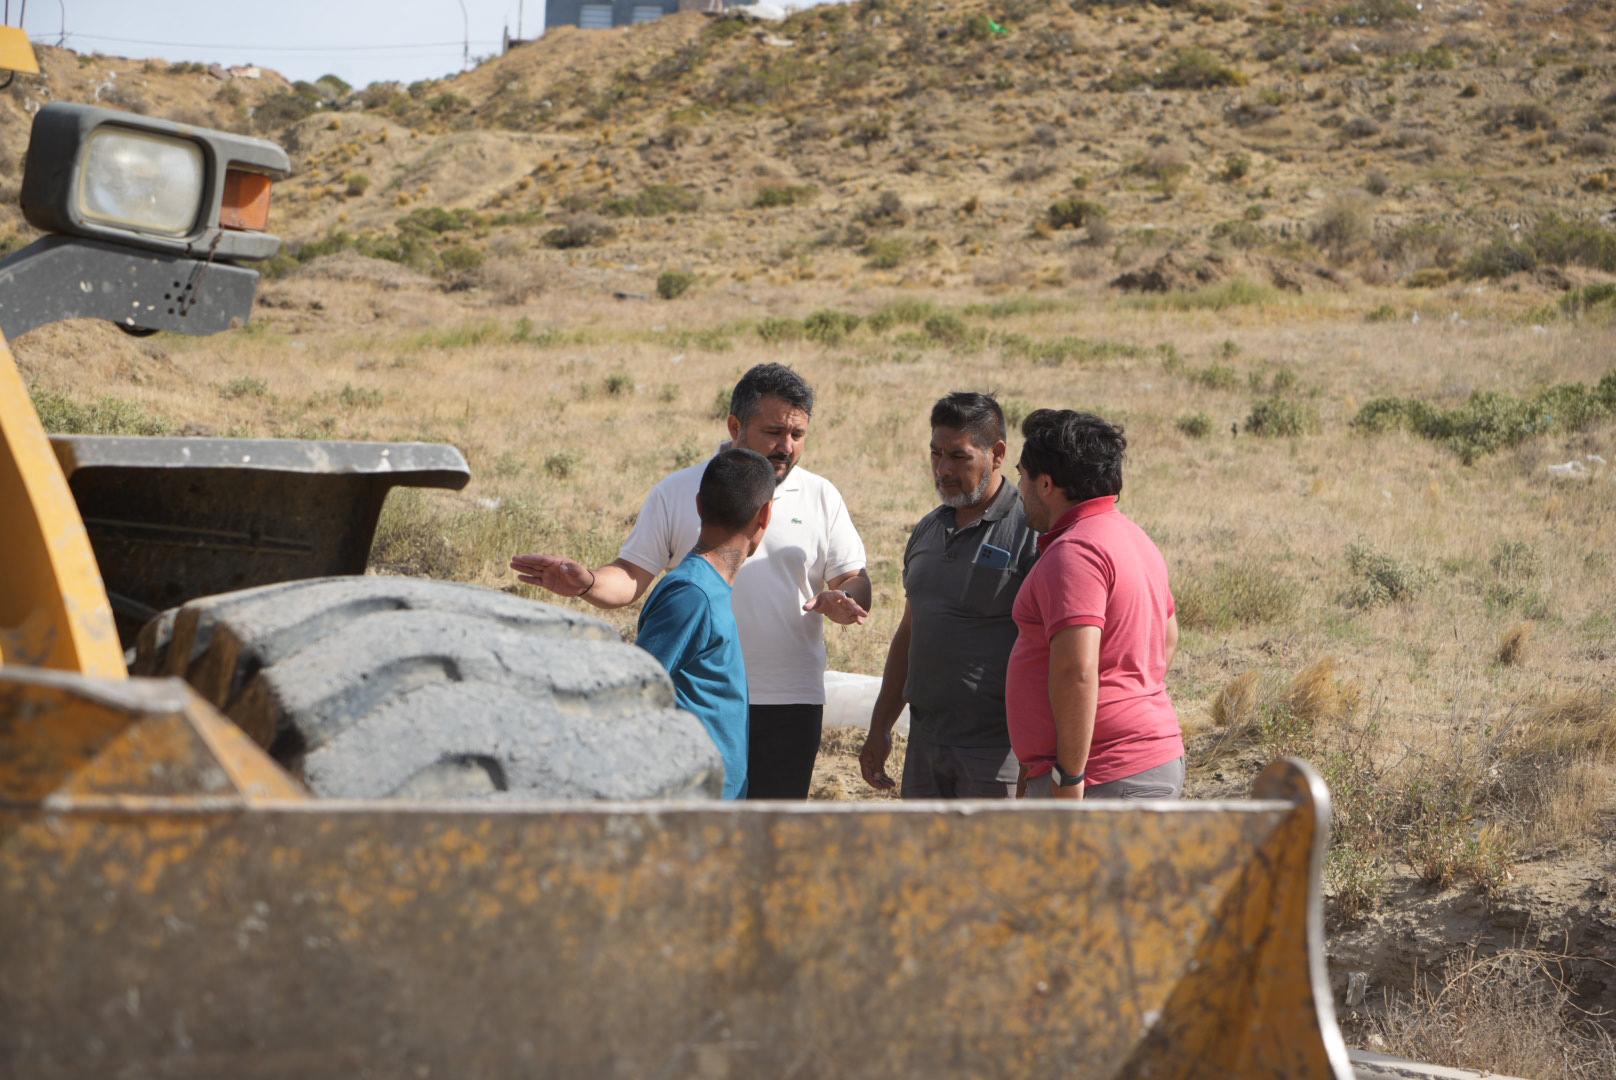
(687, 622)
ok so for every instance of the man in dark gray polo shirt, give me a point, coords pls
(963, 565)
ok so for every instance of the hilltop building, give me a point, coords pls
(604, 14)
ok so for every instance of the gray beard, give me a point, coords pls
(961, 501)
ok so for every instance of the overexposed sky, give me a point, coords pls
(363, 41)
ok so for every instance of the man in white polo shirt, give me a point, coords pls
(810, 567)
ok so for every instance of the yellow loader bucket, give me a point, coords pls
(171, 906)
(16, 54)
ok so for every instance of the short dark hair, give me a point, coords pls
(978, 415)
(770, 380)
(735, 485)
(1079, 451)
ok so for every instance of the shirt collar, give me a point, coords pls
(1105, 504)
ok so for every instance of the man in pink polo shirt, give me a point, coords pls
(1086, 692)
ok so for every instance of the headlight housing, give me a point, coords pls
(152, 184)
(141, 181)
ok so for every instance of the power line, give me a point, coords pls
(255, 47)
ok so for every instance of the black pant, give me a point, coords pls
(782, 745)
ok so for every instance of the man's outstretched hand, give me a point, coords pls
(562, 576)
(838, 607)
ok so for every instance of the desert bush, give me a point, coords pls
(1360, 127)
(460, 258)
(1526, 115)
(283, 109)
(1374, 12)
(1281, 417)
(775, 330)
(1197, 425)
(1196, 69)
(1490, 421)
(1513, 1013)
(1240, 233)
(886, 252)
(1236, 167)
(901, 313)
(1242, 593)
(830, 327)
(1166, 166)
(946, 328)
(243, 387)
(1215, 377)
(1342, 228)
(773, 195)
(65, 415)
(654, 200)
(671, 284)
(1512, 646)
(619, 384)
(357, 183)
(561, 464)
(582, 230)
(1588, 300)
(887, 211)
(1073, 213)
(1379, 578)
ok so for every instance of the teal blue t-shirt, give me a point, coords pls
(688, 625)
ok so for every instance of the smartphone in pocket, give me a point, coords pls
(992, 557)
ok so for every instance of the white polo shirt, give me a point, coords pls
(810, 540)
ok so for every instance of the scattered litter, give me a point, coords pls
(1539, 328)
(1415, 318)
(490, 504)
(678, 358)
(777, 42)
(1578, 470)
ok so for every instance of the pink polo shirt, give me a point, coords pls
(1097, 568)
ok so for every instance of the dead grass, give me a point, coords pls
(1513, 1012)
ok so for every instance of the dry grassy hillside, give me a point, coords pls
(1346, 270)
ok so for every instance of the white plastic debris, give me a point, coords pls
(1570, 470)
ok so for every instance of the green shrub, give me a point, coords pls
(1074, 213)
(1490, 421)
(1552, 241)
(1589, 299)
(886, 252)
(783, 195)
(561, 464)
(774, 331)
(1279, 417)
(245, 386)
(1235, 167)
(619, 384)
(671, 284)
(1215, 377)
(1243, 593)
(901, 313)
(946, 328)
(459, 258)
(579, 232)
(1195, 425)
(656, 200)
(1380, 579)
(357, 184)
(830, 327)
(1196, 69)
(64, 415)
(1374, 12)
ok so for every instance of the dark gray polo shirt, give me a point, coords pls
(960, 599)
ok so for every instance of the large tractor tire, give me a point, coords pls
(373, 687)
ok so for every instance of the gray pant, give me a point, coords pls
(958, 772)
(1162, 782)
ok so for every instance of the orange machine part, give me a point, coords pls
(246, 201)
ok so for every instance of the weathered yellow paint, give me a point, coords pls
(16, 54)
(53, 607)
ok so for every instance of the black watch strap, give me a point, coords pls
(1066, 779)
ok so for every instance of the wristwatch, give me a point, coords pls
(1066, 779)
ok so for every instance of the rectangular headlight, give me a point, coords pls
(141, 181)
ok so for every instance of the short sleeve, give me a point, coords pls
(1075, 585)
(650, 545)
(844, 551)
(673, 626)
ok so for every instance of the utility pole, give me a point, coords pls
(519, 5)
(465, 46)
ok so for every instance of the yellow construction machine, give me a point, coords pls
(198, 877)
